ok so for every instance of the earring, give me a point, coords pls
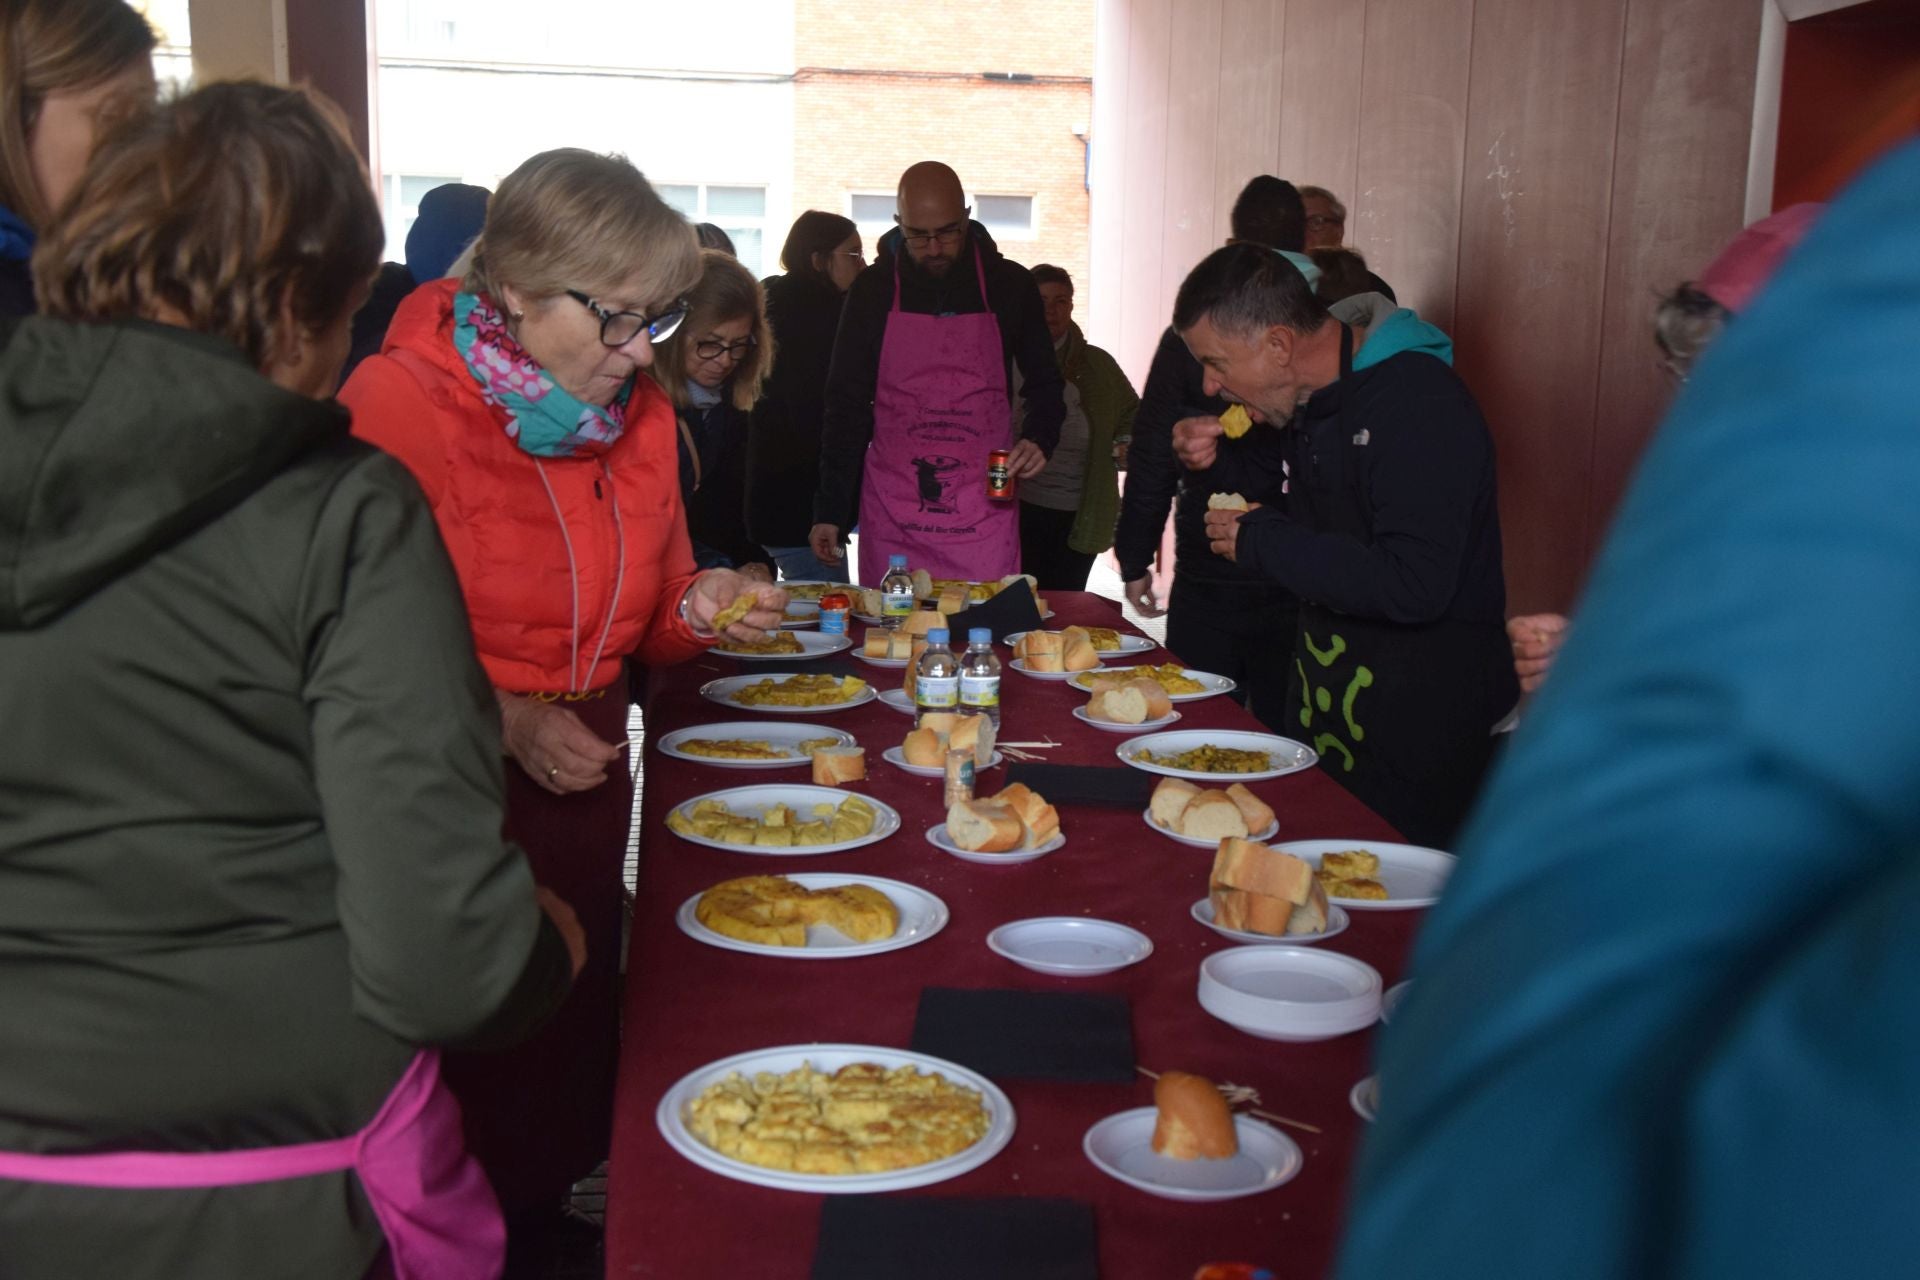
(518, 315)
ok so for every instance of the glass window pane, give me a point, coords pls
(869, 208)
(413, 187)
(683, 197)
(748, 247)
(1004, 213)
(736, 202)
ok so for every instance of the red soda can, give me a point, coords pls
(999, 476)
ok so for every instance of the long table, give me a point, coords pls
(688, 1004)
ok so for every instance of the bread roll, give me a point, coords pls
(952, 600)
(1311, 915)
(1250, 912)
(1100, 683)
(922, 583)
(1117, 706)
(1226, 502)
(1170, 799)
(1212, 815)
(1258, 814)
(921, 621)
(1076, 650)
(1242, 864)
(837, 766)
(875, 643)
(1159, 705)
(984, 826)
(899, 645)
(941, 722)
(871, 602)
(925, 747)
(913, 664)
(1040, 819)
(1042, 651)
(1194, 1122)
(971, 733)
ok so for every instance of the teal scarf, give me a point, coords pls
(541, 417)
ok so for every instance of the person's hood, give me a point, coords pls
(893, 245)
(1387, 330)
(450, 217)
(116, 441)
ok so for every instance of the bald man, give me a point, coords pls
(918, 394)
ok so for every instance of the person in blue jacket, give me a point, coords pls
(1664, 1022)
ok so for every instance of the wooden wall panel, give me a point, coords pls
(1193, 100)
(1250, 95)
(1686, 90)
(1404, 210)
(1320, 115)
(1143, 213)
(1534, 226)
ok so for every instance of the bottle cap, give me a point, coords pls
(980, 635)
(896, 560)
(938, 635)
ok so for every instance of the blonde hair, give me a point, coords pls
(214, 213)
(54, 46)
(725, 291)
(572, 219)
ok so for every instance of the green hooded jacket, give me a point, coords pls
(1109, 401)
(250, 802)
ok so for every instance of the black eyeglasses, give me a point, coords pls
(711, 350)
(949, 234)
(618, 328)
(1320, 220)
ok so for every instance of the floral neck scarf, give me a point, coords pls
(541, 417)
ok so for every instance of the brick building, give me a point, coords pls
(1002, 92)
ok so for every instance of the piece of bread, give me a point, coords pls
(925, 747)
(941, 722)
(876, 642)
(837, 766)
(913, 664)
(1351, 864)
(1226, 502)
(1118, 706)
(1242, 864)
(899, 645)
(1159, 705)
(1212, 815)
(1311, 915)
(1041, 820)
(1100, 682)
(1076, 650)
(985, 826)
(972, 733)
(1195, 1122)
(871, 602)
(922, 583)
(1257, 812)
(1170, 799)
(1250, 912)
(921, 621)
(1042, 651)
(952, 600)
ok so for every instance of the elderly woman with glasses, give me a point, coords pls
(514, 396)
(712, 368)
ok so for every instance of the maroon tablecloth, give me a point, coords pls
(688, 1004)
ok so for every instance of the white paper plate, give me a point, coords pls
(722, 691)
(813, 644)
(1365, 1098)
(897, 757)
(800, 615)
(1122, 1147)
(938, 838)
(1293, 994)
(1020, 665)
(758, 799)
(1265, 833)
(921, 916)
(1284, 754)
(1337, 922)
(1080, 714)
(899, 700)
(670, 1116)
(1414, 876)
(1214, 685)
(895, 664)
(774, 732)
(1390, 1002)
(1128, 643)
(870, 619)
(1070, 946)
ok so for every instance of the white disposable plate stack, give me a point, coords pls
(1290, 993)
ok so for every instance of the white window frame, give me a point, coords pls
(732, 221)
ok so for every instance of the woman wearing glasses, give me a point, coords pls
(512, 395)
(712, 368)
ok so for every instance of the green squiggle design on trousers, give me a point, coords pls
(1306, 696)
(1362, 679)
(1328, 656)
(1326, 742)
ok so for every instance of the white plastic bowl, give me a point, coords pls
(1290, 993)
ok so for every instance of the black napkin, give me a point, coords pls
(1033, 1035)
(1012, 610)
(1115, 785)
(885, 1238)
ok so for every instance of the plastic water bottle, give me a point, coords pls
(896, 592)
(936, 681)
(980, 676)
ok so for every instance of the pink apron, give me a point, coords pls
(940, 407)
(439, 1215)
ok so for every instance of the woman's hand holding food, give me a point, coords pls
(552, 744)
(729, 605)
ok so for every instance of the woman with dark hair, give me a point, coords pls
(251, 864)
(821, 257)
(67, 69)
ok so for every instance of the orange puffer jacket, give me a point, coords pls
(562, 579)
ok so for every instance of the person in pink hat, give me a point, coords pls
(1685, 324)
